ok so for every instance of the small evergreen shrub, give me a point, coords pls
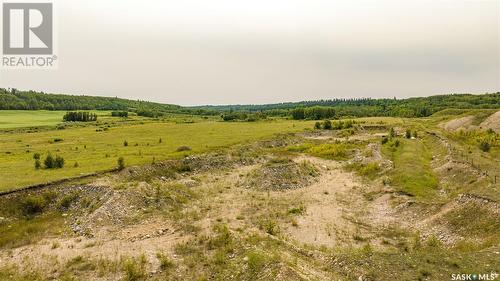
(121, 163)
(49, 162)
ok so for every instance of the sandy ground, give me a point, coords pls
(459, 123)
(492, 122)
(329, 219)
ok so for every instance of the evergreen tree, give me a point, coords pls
(49, 161)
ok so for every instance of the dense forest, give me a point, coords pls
(319, 109)
(13, 99)
(359, 107)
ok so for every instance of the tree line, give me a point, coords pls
(318, 109)
(488, 100)
(80, 116)
(13, 99)
(366, 107)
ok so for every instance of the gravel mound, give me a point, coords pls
(282, 174)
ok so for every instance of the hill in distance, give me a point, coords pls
(13, 99)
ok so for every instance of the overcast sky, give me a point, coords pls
(260, 51)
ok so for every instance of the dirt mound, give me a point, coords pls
(172, 169)
(281, 174)
(469, 216)
(459, 123)
(492, 122)
(116, 209)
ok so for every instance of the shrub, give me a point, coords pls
(38, 165)
(134, 270)
(484, 145)
(408, 133)
(233, 116)
(256, 262)
(119, 113)
(392, 133)
(343, 124)
(150, 114)
(125, 143)
(36, 156)
(181, 168)
(49, 196)
(49, 162)
(67, 200)
(385, 140)
(298, 210)
(369, 170)
(317, 125)
(327, 125)
(33, 205)
(415, 134)
(433, 241)
(223, 239)
(183, 148)
(396, 143)
(58, 162)
(121, 163)
(271, 227)
(165, 262)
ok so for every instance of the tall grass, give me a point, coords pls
(337, 151)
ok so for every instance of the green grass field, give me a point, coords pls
(97, 148)
(10, 119)
(29, 118)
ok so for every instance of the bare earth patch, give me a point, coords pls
(282, 174)
(331, 207)
(459, 123)
(492, 122)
